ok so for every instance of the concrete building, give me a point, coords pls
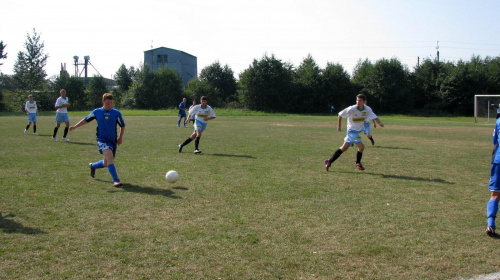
(184, 63)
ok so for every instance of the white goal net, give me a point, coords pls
(485, 108)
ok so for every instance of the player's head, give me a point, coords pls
(184, 99)
(107, 96)
(30, 97)
(361, 96)
(107, 100)
(203, 101)
(360, 100)
(62, 92)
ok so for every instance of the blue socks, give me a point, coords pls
(491, 212)
(112, 171)
(99, 164)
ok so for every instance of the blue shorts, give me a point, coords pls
(31, 117)
(199, 126)
(367, 128)
(495, 178)
(62, 117)
(105, 146)
(352, 137)
(182, 114)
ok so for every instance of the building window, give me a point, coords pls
(162, 59)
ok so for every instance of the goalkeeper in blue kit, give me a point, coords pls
(108, 118)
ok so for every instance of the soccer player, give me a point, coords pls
(192, 117)
(107, 119)
(31, 110)
(203, 113)
(182, 112)
(494, 186)
(61, 115)
(356, 117)
(367, 127)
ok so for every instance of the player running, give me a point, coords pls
(107, 119)
(356, 118)
(203, 113)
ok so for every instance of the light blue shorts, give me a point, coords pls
(495, 178)
(31, 117)
(62, 117)
(352, 137)
(367, 128)
(199, 126)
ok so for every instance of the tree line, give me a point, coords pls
(431, 88)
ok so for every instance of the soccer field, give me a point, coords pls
(256, 204)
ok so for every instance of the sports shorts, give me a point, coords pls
(105, 146)
(198, 125)
(31, 117)
(352, 137)
(62, 117)
(494, 185)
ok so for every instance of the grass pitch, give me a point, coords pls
(256, 204)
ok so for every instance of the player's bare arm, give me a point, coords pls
(80, 123)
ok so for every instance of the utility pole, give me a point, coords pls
(437, 51)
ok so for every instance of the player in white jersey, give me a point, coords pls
(356, 117)
(61, 115)
(203, 113)
(31, 110)
(192, 117)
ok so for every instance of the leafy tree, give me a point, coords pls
(267, 85)
(197, 88)
(337, 89)
(362, 74)
(75, 89)
(308, 82)
(385, 83)
(459, 87)
(154, 90)
(2, 55)
(168, 89)
(123, 78)
(222, 84)
(29, 68)
(493, 74)
(95, 89)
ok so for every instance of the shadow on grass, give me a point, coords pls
(434, 180)
(10, 226)
(410, 178)
(148, 190)
(227, 155)
(389, 148)
(82, 143)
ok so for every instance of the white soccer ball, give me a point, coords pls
(172, 176)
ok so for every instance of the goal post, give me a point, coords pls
(485, 107)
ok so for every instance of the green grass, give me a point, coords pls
(257, 204)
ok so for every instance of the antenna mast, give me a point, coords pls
(437, 51)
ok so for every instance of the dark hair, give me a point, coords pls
(362, 96)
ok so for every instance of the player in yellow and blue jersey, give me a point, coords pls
(356, 115)
(203, 113)
(31, 110)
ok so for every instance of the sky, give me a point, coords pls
(237, 32)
